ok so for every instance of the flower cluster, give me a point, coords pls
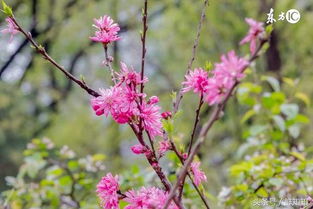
(213, 87)
(12, 28)
(126, 104)
(108, 192)
(106, 30)
(145, 198)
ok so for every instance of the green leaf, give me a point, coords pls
(294, 131)
(303, 97)
(279, 122)
(6, 9)
(272, 81)
(276, 182)
(208, 66)
(298, 156)
(247, 116)
(269, 29)
(290, 110)
(262, 192)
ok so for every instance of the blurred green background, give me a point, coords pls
(37, 101)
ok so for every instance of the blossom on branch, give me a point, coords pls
(107, 190)
(11, 28)
(164, 146)
(151, 116)
(145, 198)
(107, 30)
(139, 149)
(256, 32)
(196, 80)
(198, 175)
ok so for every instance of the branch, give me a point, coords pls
(108, 63)
(45, 55)
(194, 50)
(204, 131)
(181, 187)
(143, 40)
(190, 177)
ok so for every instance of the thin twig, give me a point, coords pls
(143, 40)
(193, 56)
(46, 56)
(204, 131)
(181, 187)
(190, 177)
(108, 63)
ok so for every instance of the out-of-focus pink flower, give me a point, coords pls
(130, 76)
(107, 30)
(198, 175)
(153, 100)
(164, 146)
(225, 74)
(256, 32)
(185, 156)
(147, 198)
(196, 80)
(107, 190)
(138, 149)
(231, 66)
(218, 87)
(166, 115)
(151, 117)
(11, 29)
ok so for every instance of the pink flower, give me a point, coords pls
(151, 117)
(231, 66)
(107, 30)
(164, 146)
(118, 101)
(198, 175)
(107, 190)
(196, 80)
(218, 87)
(138, 149)
(166, 115)
(256, 32)
(147, 198)
(130, 76)
(153, 100)
(11, 28)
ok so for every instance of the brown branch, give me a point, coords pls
(204, 131)
(190, 177)
(143, 40)
(45, 55)
(197, 119)
(194, 50)
(108, 63)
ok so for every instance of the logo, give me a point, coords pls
(293, 16)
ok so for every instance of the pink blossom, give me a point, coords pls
(196, 80)
(256, 32)
(130, 76)
(11, 28)
(166, 115)
(139, 149)
(198, 175)
(147, 198)
(151, 117)
(231, 66)
(118, 101)
(164, 146)
(153, 100)
(218, 87)
(106, 30)
(107, 190)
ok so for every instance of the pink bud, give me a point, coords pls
(138, 149)
(185, 156)
(166, 115)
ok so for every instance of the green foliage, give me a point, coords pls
(274, 164)
(6, 9)
(54, 178)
